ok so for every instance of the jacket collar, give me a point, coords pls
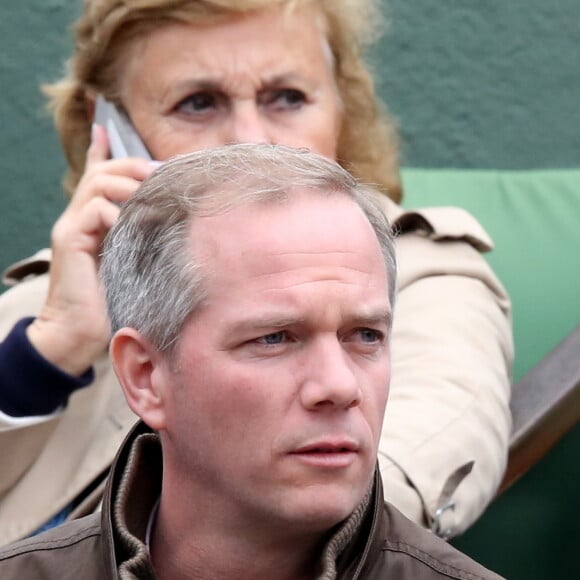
(366, 543)
(134, 486)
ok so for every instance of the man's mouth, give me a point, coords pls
(327, 448)
(328, 454)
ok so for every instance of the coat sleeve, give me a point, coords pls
(445, 437)
(21, 440)
(30, 385)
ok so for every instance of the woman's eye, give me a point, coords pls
(285, 98)
(198, 103)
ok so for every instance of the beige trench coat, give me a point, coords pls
(448, 406)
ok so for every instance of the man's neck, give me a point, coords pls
(201, 554)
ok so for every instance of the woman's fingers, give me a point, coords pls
(109, 189)
(72, 328)
(102, 178)
(99, 148)
(95, 220)
(99, 169)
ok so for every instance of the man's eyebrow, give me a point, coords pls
(274, 321)
(266, 321)
(371, 317)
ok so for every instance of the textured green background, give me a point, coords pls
(473, 83)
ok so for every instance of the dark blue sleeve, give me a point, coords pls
(29, 384)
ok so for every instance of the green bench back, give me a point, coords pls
(534, 219)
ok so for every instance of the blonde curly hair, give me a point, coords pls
(367, 146)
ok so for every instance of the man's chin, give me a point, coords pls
(323, 507)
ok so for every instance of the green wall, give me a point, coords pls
(473, 84)
(488, 84)
(33, 42)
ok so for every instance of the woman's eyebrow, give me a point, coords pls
(209, 82)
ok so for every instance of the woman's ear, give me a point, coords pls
(143, 374)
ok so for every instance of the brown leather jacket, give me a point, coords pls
(377, 541)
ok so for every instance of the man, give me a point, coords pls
(250, 289)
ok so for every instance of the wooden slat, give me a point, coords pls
(545, 405)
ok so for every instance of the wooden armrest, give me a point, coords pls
(545, 405)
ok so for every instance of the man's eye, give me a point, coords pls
(370, 336)
(198, 103)
(285, 99)
(273, 338)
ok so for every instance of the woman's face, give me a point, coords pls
(267, 77)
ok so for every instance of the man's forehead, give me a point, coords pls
(266, 224)
(283, 248)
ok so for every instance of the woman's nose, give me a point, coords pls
(247, 124)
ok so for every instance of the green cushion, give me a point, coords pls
(533, 218)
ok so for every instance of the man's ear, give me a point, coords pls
(143, 374)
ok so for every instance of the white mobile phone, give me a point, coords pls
(123, 138)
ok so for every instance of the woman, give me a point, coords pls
(192, 74)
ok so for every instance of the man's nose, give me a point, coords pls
(247, 125)
(330, 381)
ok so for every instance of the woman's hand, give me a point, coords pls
(72, 328)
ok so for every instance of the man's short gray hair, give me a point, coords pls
(152, 281)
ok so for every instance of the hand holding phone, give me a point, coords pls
(123, 138)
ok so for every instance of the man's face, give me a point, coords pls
(277, 392)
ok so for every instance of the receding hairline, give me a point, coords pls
(147, 253)
(201, 250)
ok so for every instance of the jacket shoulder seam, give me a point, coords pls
(444, 223)
(50, 544)
(33, 266)
(429, 560)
